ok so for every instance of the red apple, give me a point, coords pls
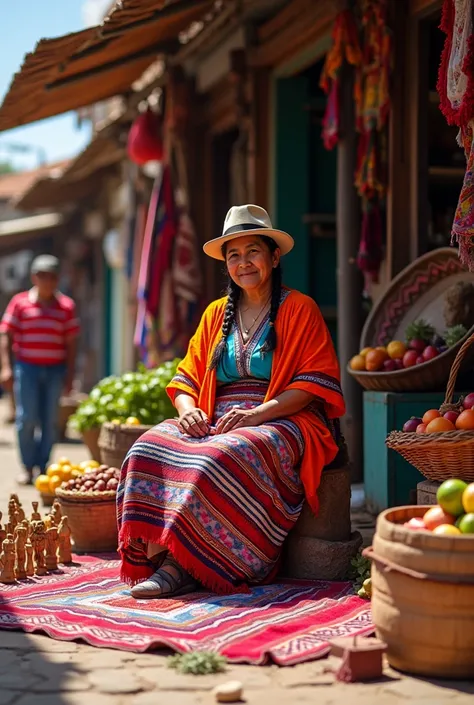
(430, 352)
(421, 428)
(398, 364)
(468, 402)
(451, 416)
(417, 344)
(389, 365)
(420, 359)
(410, 358)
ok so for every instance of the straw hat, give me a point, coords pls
(246, 220)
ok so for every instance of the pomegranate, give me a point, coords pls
(389, 366)
(451, 416)
(420, 359)
(398, 364)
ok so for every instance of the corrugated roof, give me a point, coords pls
(82, 68)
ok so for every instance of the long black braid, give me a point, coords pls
(233, 295)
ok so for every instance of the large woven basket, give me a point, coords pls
(91, 440)
(92, 519)
(440, 456)
(115, 441)
(417, 292)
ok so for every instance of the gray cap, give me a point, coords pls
(45, 263)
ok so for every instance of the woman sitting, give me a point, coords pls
(209, 498)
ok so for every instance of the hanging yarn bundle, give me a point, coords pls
(456, 90)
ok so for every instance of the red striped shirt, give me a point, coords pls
(40, 331)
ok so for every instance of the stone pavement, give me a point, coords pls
(35, 670)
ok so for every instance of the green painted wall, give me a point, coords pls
(291, 159)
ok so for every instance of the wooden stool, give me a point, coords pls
(426, 492)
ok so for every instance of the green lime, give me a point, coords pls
(449, 496)
(466, 523)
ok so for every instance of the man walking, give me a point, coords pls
(39, 332)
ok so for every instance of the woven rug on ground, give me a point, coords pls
(286, 623)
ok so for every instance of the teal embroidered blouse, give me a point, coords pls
(240, 361)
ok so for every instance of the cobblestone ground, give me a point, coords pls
(35, 670)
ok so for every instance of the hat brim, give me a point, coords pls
(213, 248)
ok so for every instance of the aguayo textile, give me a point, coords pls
(456, 90)
(223, 504)
(286, 623)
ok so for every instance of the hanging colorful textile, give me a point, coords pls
(372, 112)
(456, 91)
(345, 47)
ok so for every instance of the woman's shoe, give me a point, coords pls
(170, 580)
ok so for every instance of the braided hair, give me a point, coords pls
(233, 296)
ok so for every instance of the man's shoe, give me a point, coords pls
(25, 477)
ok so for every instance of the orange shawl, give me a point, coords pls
(304, 359)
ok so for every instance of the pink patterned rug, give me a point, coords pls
(286, 623)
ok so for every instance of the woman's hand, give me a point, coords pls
(237, 418)
(194, 422)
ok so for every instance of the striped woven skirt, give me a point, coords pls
(222, 505)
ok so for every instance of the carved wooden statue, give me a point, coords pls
(38, 539)
(12, 514)
(56, 512)
(65, 555)
(30, 568)
(35, 515)
(3, 533)
(20, 559)
(52, 548)
(7, 561)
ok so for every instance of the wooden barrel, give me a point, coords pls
(115, 441)
(423, 596)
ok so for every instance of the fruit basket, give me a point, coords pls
(91, 511)
(440, 456)
(416, 293)
(116, 439)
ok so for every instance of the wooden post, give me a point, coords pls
(349, 279)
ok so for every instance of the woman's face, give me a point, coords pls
(250, 262)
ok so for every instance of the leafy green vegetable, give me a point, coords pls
(141, 393)
(360, 571)
(198, 663)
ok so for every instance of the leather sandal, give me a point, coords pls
(164, 584)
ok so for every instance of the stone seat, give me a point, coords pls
(321, 547)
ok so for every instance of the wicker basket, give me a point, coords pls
(440, 456)
(115, 441)
(414, 293)
(92, 519)
(47, 499)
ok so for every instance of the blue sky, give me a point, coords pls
(23, 23)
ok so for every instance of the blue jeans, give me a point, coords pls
(37, 390)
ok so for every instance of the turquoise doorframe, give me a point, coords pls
(290, 173)
(107, 352)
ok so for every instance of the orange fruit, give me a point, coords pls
(440, 425)
(374, 360)
(364, 351)
(42, 484)
(396, 349)
(357, 363)
(465, 420)
(54, 482)
(381, 347)
(446, 530)
(468, 499)
(53, 469)
(430, 415)
(436, 516)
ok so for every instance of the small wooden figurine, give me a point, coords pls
(30, 568)
(20, 513)
(12, 514)
(3, 533)
(52, 548)
(7, 561)
(56, 512)
(65, 555)
(20, 541)
(38, 539)
(35, 515)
